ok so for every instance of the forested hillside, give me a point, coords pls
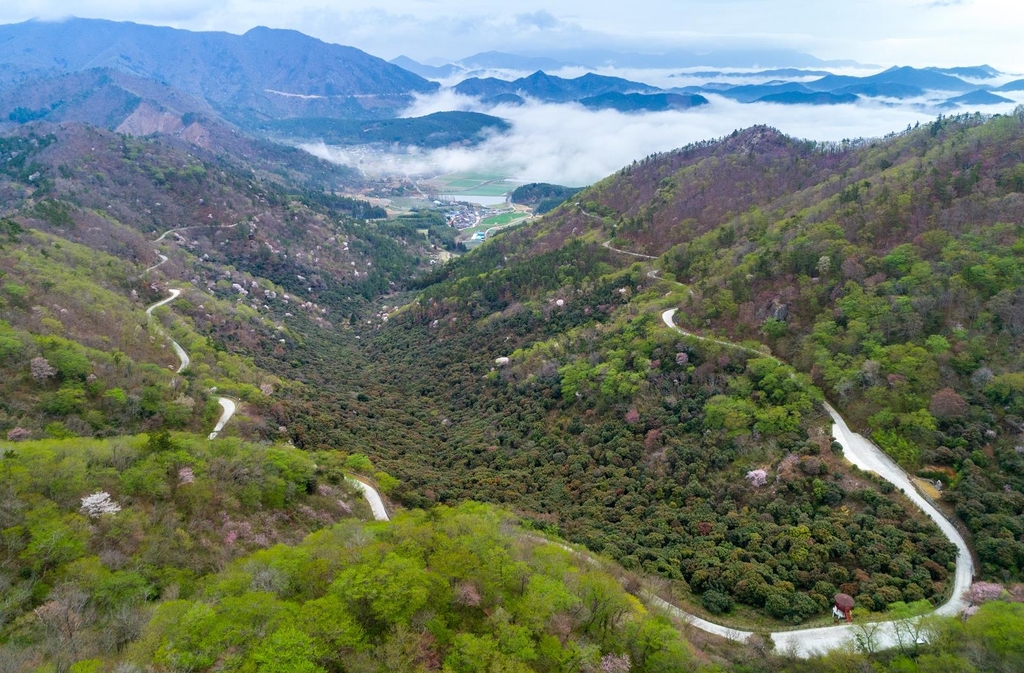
(96, 532)
(889, 271)
(536, 374)
(263, 74)
(189, 554)
(86, 216)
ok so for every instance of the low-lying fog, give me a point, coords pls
(570, 145)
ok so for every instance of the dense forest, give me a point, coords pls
(440, 129)
(541, 196)
(533, 374)
(886, 270)
(617, 436)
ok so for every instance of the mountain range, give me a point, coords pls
(205, 87)
(598, 58)
(815, 87)
(633, 382)
(896, 83)
(262, 74)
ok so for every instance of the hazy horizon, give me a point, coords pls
(942, 33)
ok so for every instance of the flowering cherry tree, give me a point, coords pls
(98, 504)
(611, 663)
(41, 369)
(757, 478)
(983, 592)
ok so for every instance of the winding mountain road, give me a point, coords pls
(182, 354)
(163, 260)
(861, 452)
(195, 226)
(227, 405)
(608, 244)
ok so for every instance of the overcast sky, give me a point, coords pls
(884, 32)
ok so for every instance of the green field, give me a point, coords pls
(491, 189)
(462, 184)
(477, 176)
(504, 218)
(477, 184)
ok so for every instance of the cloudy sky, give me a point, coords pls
(884, 32)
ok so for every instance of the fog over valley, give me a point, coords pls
(569, 144)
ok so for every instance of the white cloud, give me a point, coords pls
(568, 144)
(155, 11)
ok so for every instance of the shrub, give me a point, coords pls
(716, 602)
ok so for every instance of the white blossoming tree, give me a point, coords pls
(757, 478)
(98, 504)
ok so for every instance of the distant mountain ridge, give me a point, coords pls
(812, 98)
(552, 89)
(638, 102)
(264, 73)
(905, 75)
(603, 92)
(973, 72)
(979, 97)
(427, 71)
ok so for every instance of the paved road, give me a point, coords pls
(227, 404)
(865, 455)
(195, 226)
(667, 318)
(183, 357)
(227, 411)
(608, 244)
(163, 259)
(380, 513)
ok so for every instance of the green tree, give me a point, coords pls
(287, 650)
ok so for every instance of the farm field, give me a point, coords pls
(472, 184)
(500, 221)
(503, 218)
